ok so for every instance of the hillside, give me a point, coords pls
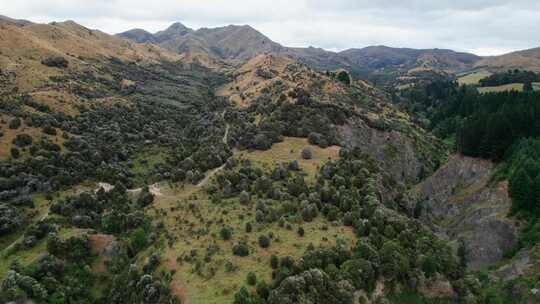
(524, 60)
(216, 166)
(239, 43)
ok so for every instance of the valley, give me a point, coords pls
(217, 166)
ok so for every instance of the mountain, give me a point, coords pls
(525, 60)
(239, 43)
(216, 166)
(139, 36)
(18, 22)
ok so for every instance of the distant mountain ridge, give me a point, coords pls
(240, 43)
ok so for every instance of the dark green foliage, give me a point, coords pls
(274, 261)
(511, 76)
(312, 287)
(251, 278)
(15, 123)
(111, 212)
(344, 77)
(145, 197)
(55, 61)
(264, 241)
(22, 140)
(240, 249)
(301, 231)
(15, 153)
(225, 233)
(249, 227)
(306, 153)
(49, 130)
(138, 240)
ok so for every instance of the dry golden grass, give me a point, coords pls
(9, 134)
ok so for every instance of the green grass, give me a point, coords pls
(507, 87)
(473, 78)
(502, 88)
(218, 286)
(288, 150)
(27, 257)
(145, 161)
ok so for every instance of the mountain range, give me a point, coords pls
(237, 43)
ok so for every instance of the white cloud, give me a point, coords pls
(484, 27)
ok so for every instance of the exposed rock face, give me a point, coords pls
(519, 265)
(460, 202)
(393, 150)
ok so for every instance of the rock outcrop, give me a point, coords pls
(461, 203)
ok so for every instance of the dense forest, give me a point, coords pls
(511, 76)
(503, 127)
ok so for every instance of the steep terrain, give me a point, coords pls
(465, 206)
(216, 166)
(239, 43)
(525, 60)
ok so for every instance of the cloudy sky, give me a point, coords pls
(484, 27)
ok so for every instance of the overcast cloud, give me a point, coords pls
(484, 27)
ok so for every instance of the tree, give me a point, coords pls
(15, 153)
(274, 261)
(244, 198)
(251, 278)
(249, 227)
(528, 87)
(301, 231)
(264, 241)
(240, 249)
(306, 153)
(22, 140)
(225, 233)
(15, 123)
(344, 77)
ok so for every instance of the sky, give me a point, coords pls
(483, 27)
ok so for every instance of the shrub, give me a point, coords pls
(244, 198)
(344, 77)
(55, 61)
(138, 240)
(306, 153)
(15, 123)
(274, 261)
(264, 241)
(240, 249)
(225, 233)
(249, 227)
(15, 153)
(22, 140)
(49, 130)
(301, 231)
(251, 278)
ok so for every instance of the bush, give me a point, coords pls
(344, 77)
(306, 153)
(225, 233)
(301, 231)
(249, 227)
(15, 123)
(240, 249)
(251, 278)
(274, 261)
(22, 140)
(264, 241)
(15, 153)
(49, 130)
(244, 198)
(55, 61)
